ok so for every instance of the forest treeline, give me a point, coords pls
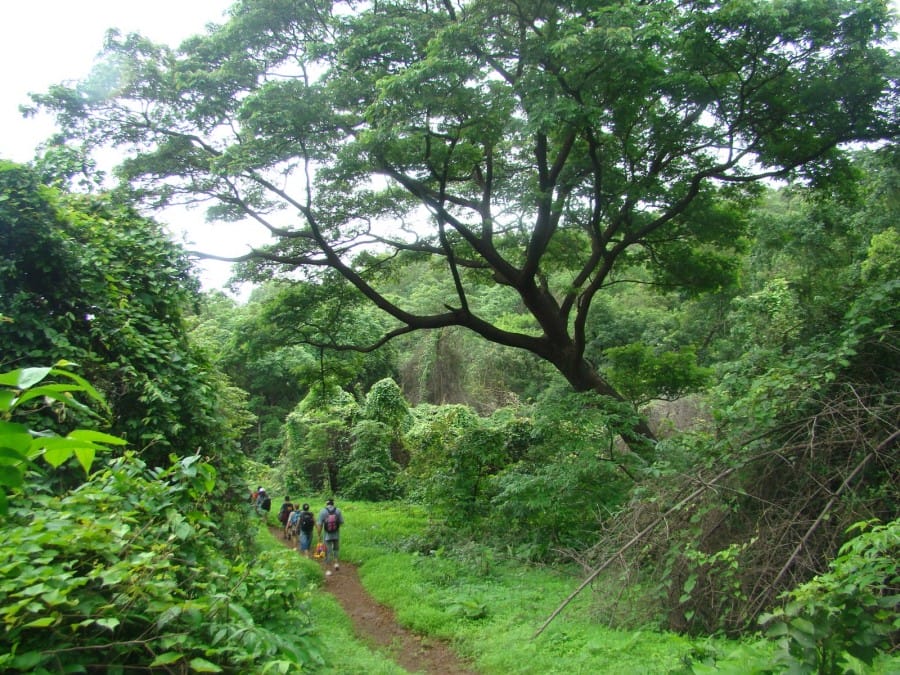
(777, 394)
(613, 289)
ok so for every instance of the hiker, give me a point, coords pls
(263, 502)
(329, 524)
(288, 530)
(305, 524)
(292, 528)
(284, 512)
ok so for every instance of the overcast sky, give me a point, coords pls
(44, 42)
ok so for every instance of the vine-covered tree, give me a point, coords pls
(88, 280)
(538, 145)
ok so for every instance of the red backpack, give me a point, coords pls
(332, 521)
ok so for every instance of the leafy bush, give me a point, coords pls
(317, 440)
(127, 570)
(641, 373)
(25, 392)
(370, 473)
(86, 279)
(850, 611)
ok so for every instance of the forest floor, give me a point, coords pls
(376, 626)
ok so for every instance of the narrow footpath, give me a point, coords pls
(376, 625)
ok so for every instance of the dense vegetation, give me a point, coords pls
(609, 350)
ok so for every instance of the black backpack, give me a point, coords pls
(307, 522)
(265, 503)
(332, 520)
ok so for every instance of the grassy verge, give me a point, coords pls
(489, 610)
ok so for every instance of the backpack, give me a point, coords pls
(266, 503)
(307, 522)
(332, 521)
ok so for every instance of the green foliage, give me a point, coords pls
(385, 403)
(849, 612)
(369, 473)
(128, 569)
(27, 390)
(86, 279)
(318, 440)
(719, 577)
(452, 452)
(531, 477)
(881, 259)
(125, 571)
(243, 343)
(641, 373)
(567, 476)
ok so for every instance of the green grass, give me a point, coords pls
(489, 611)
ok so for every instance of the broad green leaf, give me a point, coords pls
(110, 623)
(43, 622)
(28, 377)
(56, 456)
(85, 457)
(6, 399)
(10, 476)
(204, 666)
(84, 385)
(166, 659)
(10, 378)
(169, 615)
(60, 442)
(27, 661)
(14, 437)
(58, 392)
(96, 437)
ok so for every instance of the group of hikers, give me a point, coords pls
(300, 523)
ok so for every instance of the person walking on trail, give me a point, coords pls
(263, 502)
(306, 523)
(329, 524)
(284, 512)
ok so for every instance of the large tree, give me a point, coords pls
(534, 144)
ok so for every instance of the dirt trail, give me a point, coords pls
(375, 624)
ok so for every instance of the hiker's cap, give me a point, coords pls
(330, 502)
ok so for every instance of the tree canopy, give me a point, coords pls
(534, 145)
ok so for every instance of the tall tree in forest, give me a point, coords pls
(536, 144)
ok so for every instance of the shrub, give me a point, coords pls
(850, 611)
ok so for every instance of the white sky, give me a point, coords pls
(45, 42)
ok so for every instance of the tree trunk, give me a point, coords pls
(639, 438)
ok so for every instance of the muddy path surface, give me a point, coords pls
(376, 625)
